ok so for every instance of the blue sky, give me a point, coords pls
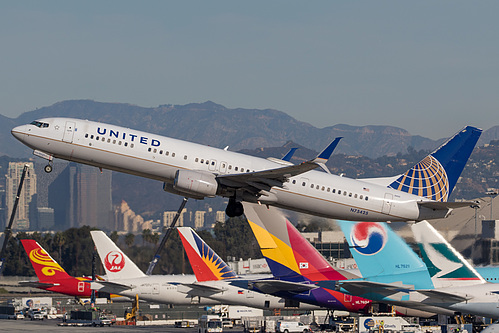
(430, 67)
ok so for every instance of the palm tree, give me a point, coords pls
(129, 239)
(59, 241)
(114, 237)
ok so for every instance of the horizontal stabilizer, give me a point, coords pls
(275, 286)
(438, 205)
(442, 296)
(110, 286)
(38, 284)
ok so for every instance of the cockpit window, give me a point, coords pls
(39, 124)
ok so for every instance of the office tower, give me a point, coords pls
(13, 177)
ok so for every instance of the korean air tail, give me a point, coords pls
(446, 266)
(382, 256)
(289, 255)
(436, 175)
(46, 268)
(115, 262)
(205, 263)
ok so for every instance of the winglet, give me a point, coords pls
(324, 156)
(205, 263)
(289, 154)
(327, 152)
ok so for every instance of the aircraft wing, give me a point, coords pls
(273, 286)
(265, 179)
(204, 287)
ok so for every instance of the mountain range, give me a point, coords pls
(215, 125)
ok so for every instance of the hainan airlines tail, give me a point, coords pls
(45, 266)
(446, 266)
(436, 175)
(205, 263)
(382, 256)
(288, 254)
(115, 262)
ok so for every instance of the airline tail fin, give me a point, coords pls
(288, 254)
(436, 175)
(115, 262)
(45, 266)
(205, 263)
(446, 266)
(382, 256)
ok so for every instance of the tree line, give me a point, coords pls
(73, 248)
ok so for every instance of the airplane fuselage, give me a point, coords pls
(160, 158)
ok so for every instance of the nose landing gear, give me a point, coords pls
(48, 168)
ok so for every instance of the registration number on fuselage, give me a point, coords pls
(359, 211)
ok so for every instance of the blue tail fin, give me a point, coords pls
(436, 175)
(382, 256)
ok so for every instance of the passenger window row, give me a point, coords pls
(109, 140)
(340, 192)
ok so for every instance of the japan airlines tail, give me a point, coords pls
(198, 171)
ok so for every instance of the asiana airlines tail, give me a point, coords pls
(198, 171)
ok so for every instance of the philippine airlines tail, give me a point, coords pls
(205, 263)
(382, 256)
(436, 175)
(446, 266)
(115, 262)
(45, 266)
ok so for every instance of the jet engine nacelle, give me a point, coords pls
(195, 184)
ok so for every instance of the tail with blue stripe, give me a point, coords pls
(436, 175)
(383, 256)
(205, 263)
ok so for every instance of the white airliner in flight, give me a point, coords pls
(198, 171)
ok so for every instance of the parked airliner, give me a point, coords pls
(198, 171)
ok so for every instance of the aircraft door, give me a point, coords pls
(250, 294)
(81, 286)
(387, 203)
(155, 288)
(223, 167)
(69, 131)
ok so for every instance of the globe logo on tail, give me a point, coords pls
(368, 238)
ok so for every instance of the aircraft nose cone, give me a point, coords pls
(19, 132)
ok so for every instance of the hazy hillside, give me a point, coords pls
(215, 125)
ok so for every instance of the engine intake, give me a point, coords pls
(196, 184)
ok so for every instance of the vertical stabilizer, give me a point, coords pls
(286, 251)
(446, 266)
(115, 262)
(205, 263)
(383, 256)
(436, 175)
(46, 268)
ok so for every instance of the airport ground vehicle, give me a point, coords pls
(291, 326)
(210, 324)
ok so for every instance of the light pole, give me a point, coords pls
(475, 207)
(492, 196)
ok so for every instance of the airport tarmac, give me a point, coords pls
(27, 325)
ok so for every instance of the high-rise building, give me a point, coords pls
(169, 216)
(81, 195)
(13, 177)
(199, 219)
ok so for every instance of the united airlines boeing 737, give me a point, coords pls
(198, 171)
